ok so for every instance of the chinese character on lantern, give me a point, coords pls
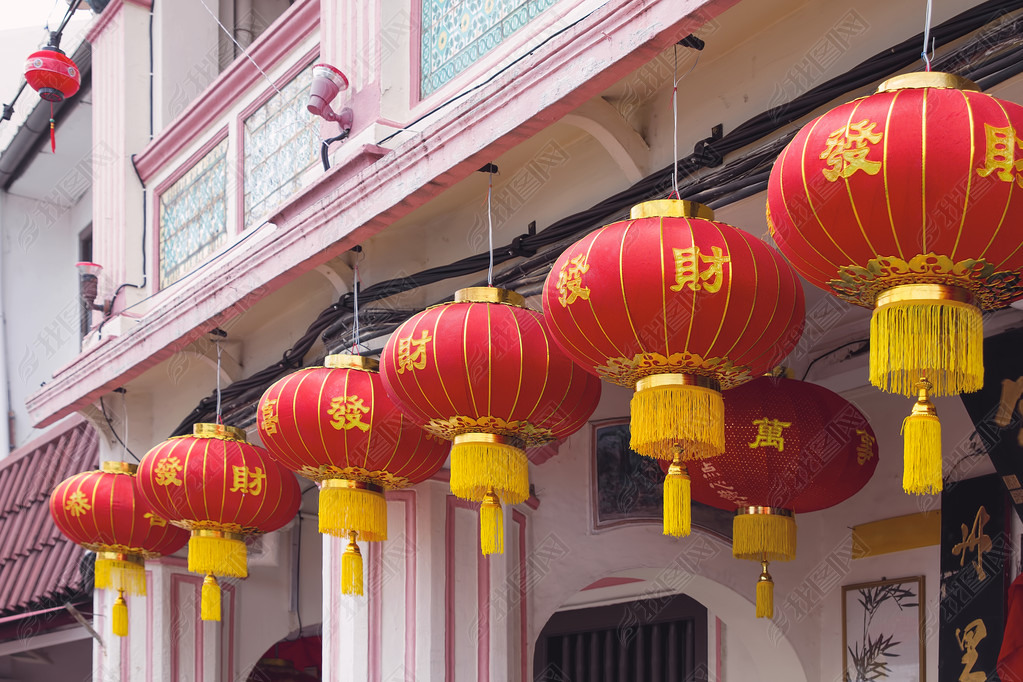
(570, 281)
(769, 434)
(347, 412)
(248, 481)
(846, 151)
(688, 270)
(412, 352)
(1000, 157)
(77, 504)
(269, 411)
(167, 472)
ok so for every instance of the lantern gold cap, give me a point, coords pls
(118, 468)
(218, 431)
(672, 208)
(927, 79)
(763, 511)
(343, 361)
(490, 295)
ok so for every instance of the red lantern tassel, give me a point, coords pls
(53, 134)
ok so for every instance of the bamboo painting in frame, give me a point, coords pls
(882, 631)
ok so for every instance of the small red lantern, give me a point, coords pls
(54, 76)
(218, 486)
(336, 425)
(484, 373)
(678, 307)
(103, 512)
(790, 447)
(907, 201)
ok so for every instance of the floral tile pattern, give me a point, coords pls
(193, 216)
(457, 33)
(281, 142)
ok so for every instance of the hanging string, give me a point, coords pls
(356, 283)
(124, 412)
(490, 228)
(243, 50)
(674, 118)
(927, 37)
(220, 416)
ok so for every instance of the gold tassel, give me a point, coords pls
(351, 568)
(921, 456)
(667, 415)
(217, 553)
(764, 533)
(120, 615)
(210, 602)
(117, 573)
(482, 462)
(940, 338)
(765, 593)
(345, 508)
(678, 508)
(491, 525)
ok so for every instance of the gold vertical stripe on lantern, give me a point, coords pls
(673, 411)
(764, 533)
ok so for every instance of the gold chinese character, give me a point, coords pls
(975, 539)
(688, 271)
(347, 412)
(865, 450)
(269, 414)
(77, 503)
(968, 639)
(248, 481)
(1012, 392)
(570, 281)
(167, 471)
(412, 352)
(154, 520)
(847, 150)
(769, 434)
(1000, 157)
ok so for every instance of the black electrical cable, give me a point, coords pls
(103, 409)
(656, 184)
(325, 147)
(831, 352)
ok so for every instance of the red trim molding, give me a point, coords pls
(284, 35)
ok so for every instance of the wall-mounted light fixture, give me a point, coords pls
(327, 82)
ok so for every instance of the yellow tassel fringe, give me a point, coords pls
(491, 525)
(351, 569)
(124, 576)
(670, 420)
(347, 510)
(765, 594)
(210, 602)
(678, 507)
(921, 461)
(217, 555)
(764, 536)
(119, 617)
(942, 340)
(477, 467)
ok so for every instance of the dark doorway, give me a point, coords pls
(649, 640)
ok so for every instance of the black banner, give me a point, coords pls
(975, 557)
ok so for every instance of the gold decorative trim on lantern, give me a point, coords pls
(490, 295)
(629, 371)
(217, 527)
(384, 479)
(671, 208)
(352, 485)
(111, 467)
(344, 361)
(101, 548)
(992, 289)
(219, 431)
(655, 380)
(927, 79)
(125, 557)
(526, 434)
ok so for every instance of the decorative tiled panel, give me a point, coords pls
(281, 142)
(456, 33)
(193, 216)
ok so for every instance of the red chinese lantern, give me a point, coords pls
(679, 307)
(103, 512)
(790, 447)
(336, 425)
(483, 372)
(54, 76)
(221, 488)
(906, 202)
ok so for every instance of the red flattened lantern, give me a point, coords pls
(336, 425)
(790, 447)
(54, 76)
(103, 512)
(221, 488)
(907, 201)
(484, 373)
(678, 307)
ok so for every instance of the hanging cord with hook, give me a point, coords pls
(490, 228)
(675, 80)
(220, 416)
(356, 283)
(927, 37)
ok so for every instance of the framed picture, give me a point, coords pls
(882, 631)
(629, 488)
